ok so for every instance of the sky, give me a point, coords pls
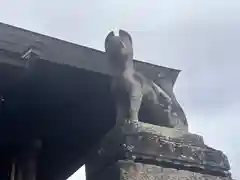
(200, 37)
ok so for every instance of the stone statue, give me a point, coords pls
(136, 97)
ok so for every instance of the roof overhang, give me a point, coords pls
(62, 97)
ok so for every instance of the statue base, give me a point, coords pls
(139, 151)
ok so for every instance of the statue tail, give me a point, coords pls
(160, 92)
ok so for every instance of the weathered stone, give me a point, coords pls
(127, 170)
(139, 151)
(146, 143)
(171, 134)
(135, 96)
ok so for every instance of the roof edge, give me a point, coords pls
(141, 65)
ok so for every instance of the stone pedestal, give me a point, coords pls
(140, 151)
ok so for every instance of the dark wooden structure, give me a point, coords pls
(60, 96)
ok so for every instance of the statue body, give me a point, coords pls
(136, 97)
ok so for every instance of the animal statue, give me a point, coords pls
(135, 96)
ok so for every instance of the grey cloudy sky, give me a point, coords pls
(200, 37)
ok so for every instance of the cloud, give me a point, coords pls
(79, 174)
(200, 37)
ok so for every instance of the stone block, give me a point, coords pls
(128, 170)
(165, 147)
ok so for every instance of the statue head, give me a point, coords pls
(119, 46)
